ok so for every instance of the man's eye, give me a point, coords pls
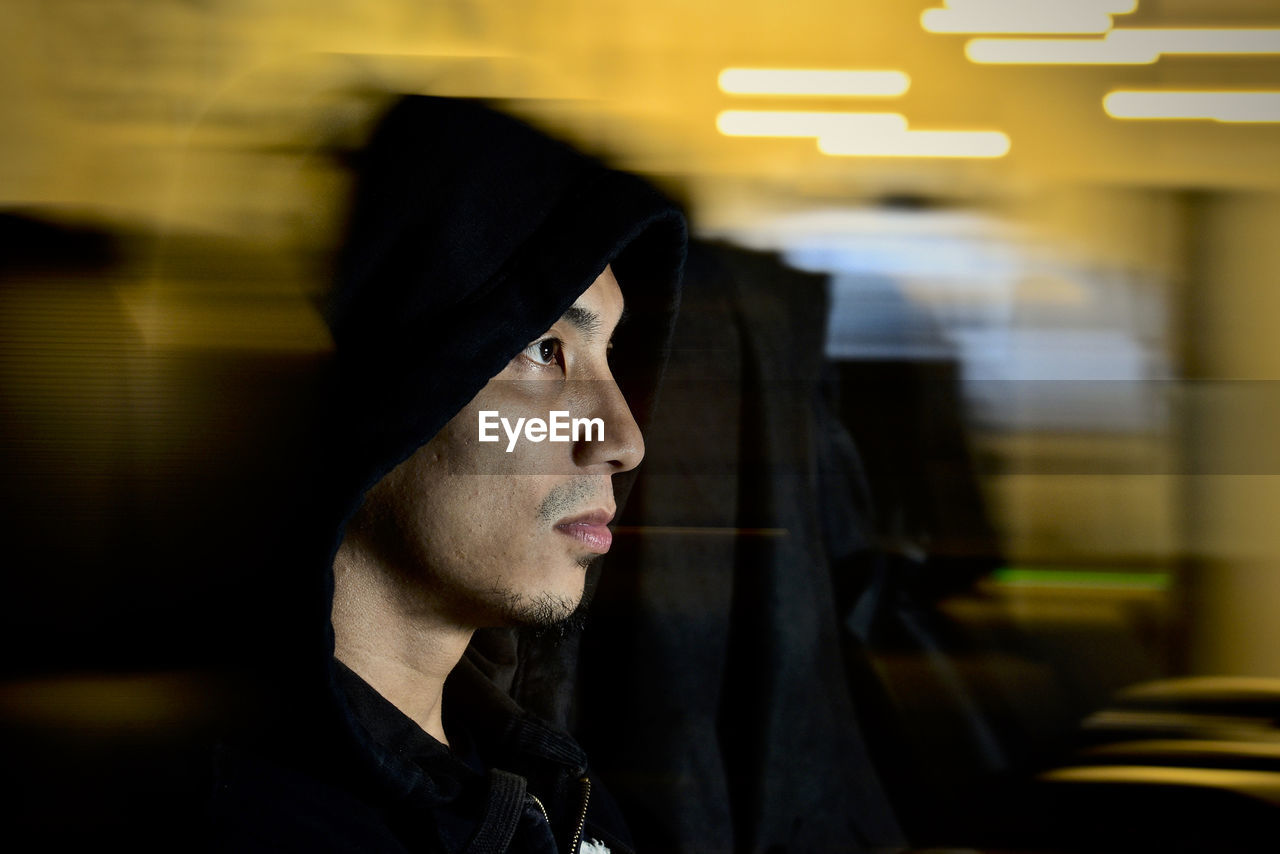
(545, 352)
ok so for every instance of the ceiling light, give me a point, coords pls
(916, 143)
(1123, 47)
(1024, 16)
(1213, 106)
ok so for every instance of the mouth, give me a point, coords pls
(589, 529)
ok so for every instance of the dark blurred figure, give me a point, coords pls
(745, 732)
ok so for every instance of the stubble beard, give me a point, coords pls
(546, 614)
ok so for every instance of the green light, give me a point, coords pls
(1014, 576)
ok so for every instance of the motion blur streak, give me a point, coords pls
(1124, 47)
(863, 134)
(916, 143)
(1213, 106)
(1021, 16)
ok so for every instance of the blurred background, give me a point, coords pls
(1038, 244)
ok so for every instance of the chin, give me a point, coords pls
(544, 610)
(544, 597)
(550, 615)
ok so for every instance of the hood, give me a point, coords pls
(470, 233)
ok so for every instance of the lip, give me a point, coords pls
(589, 529)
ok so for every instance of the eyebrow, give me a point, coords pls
(587, 322)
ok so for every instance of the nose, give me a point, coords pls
(622, 447)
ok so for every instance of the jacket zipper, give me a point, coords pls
(541, 809)
(582, 816)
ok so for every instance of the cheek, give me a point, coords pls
(503, 506)
(489, 521)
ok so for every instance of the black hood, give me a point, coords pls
(470, 233)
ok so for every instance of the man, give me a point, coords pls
(479, 429)
(434, 554)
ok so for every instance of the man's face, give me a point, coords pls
(487, 536)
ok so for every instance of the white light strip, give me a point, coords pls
(1111, 7)
(789, 123)
(798, 81)
(1024, 16)
(1211, 106)
(1123, 47)
(862, 134)
(917, 143)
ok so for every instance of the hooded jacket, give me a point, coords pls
(470, 234)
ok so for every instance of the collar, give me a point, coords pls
(486, 727)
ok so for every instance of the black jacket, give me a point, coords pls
(508, 782)
(470, 234)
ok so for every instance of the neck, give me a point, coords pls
(392, 638)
